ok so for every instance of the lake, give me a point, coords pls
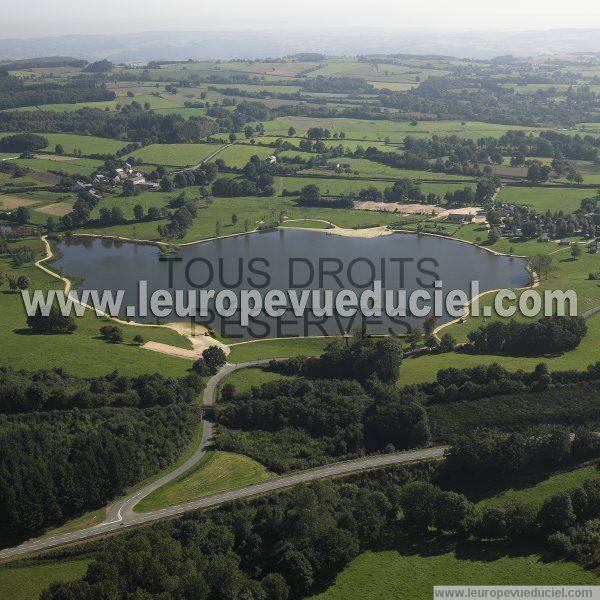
(286, 259)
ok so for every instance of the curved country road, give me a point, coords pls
(122, 509)
(120, 515)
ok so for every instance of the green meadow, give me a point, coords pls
(545, 198)
(535, 494)
(177, 155)
(396, 131)
(412, 575)
(216, 472)
(27, 579)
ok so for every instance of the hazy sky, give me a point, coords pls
(53, 17)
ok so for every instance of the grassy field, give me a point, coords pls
(176, 155)
(216, 472)
(82, 351)
(27, 579)
(384, 575)
(341, 185)
(282, 348)
(87, 144)
(396, 131)
(252, 208)
(245, 379)
(305, 224)
(536, 494)
(368, 168)
(64, 164)
(238, 155)
(546, 198)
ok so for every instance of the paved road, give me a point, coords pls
(120, 514)
(341, 468)
(122, 509)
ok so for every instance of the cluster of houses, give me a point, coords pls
(126, 173)
(118, 177)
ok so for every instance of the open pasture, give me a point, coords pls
(177, 155)
(396, 131)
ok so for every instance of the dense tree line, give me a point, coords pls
(55, 389)
(131, 123)
(56, 465)
(483, 99)
(14, 92)
(549, 335)
(361, 358)
(573, 404)
(292, 424)
(22, 142)
(486, 458)
(484, 381)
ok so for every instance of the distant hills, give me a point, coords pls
(212, 45)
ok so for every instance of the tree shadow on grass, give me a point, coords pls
(34, 332)
(436, 544)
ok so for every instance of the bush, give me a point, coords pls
(112, 334)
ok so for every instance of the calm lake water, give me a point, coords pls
(291, 259)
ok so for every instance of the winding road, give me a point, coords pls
(120, 514)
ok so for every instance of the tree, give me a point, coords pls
(291, 132)
(128, 188)
(494, 235)
(234, 218)
(275, 587)
(50, 225)
(417, 501)
(112, 334)
(576, 250)
(22, 215)
(138, 339)
(452, 512)
(429, 324)
(200, 368)
(414, 337)
(23, 282)
(227, 392)
(309, 195)
(214, 358)
(218, 230)
(154, 213)
(138, 212)
(556, 513)
(58, 149)
(540, 264)
(537, 172)
(447, 343)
